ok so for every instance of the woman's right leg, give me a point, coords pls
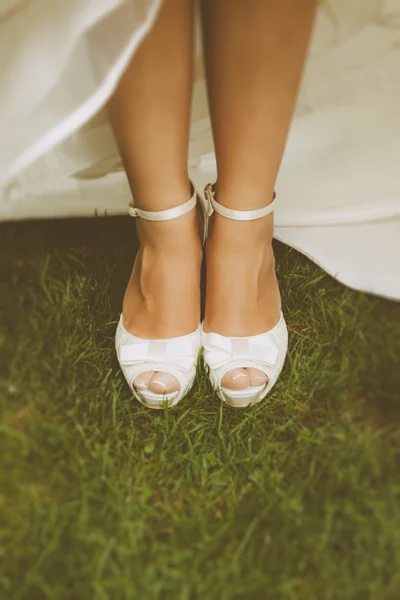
(150, 113)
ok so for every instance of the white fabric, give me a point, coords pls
(339, 187)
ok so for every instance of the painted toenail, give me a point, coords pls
(160, 383)
(140, 385)
(237, 376)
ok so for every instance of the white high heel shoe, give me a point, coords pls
(266, 351)
(175, 356)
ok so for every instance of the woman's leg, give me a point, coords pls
(150, 113)
(254, 57)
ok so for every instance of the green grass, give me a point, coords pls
(297, 498)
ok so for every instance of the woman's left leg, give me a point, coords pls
(255, 53)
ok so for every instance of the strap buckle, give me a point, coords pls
(132, 211)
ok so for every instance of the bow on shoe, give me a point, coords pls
(178, 354)
(220, 350)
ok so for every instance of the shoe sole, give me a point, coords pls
(236, 398)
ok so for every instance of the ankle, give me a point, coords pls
(241, 238)
(176, 236)
(185, 253)
(255, 262)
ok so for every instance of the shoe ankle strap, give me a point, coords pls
(237, 215)
(164, 215)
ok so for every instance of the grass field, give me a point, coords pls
(298, 498)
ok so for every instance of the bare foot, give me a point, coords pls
(162, 299)
(242, 297)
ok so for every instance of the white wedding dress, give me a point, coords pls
(339, 185)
